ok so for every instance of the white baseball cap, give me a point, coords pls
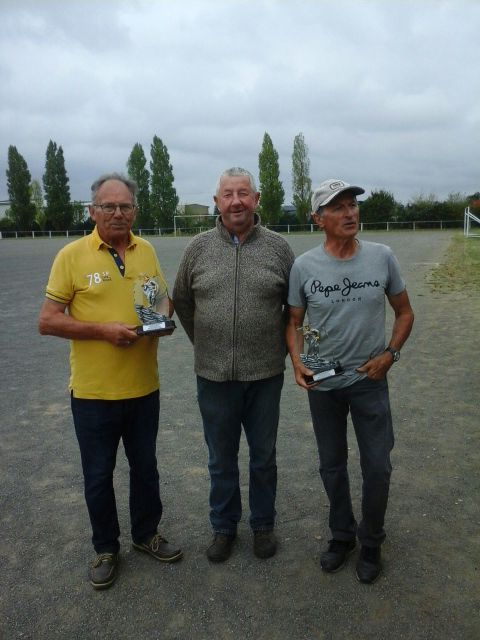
(329, 189)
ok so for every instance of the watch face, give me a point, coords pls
(395, 354)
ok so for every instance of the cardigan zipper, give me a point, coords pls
(234, 341)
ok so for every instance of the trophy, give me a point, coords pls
(152, 307)
(322, 367)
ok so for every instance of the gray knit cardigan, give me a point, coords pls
(230, 300)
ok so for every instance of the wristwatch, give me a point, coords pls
(395, 354)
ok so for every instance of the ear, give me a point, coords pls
(317, 219)
(91, 211)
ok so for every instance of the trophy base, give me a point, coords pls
(156, 328)
(321, 371)
(323, 375)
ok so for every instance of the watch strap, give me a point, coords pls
(395, 354)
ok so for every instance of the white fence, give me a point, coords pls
(405, 225)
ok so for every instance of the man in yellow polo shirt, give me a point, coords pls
(114, 374)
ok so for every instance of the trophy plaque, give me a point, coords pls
(322, 368)
(152, 307)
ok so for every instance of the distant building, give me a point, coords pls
(193, 209)
(289, 211)
(4, 205)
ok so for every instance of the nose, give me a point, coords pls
(351, 211)
(118, 211)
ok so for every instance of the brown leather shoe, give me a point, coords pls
(159, 548)
(103, 570)
(221, 547)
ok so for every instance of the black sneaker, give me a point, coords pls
(103, 570)
(369, 564)
(159, 548)
(264, 544)
(221, 547)
(336, 556)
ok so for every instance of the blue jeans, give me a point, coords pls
(225, 407)
(99, 425)
(368, 402)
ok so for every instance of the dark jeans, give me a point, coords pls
(225, 407)
(368, 402)
(99, 425)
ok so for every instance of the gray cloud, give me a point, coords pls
(385, 93)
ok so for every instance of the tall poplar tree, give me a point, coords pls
(138, 171)
(301, 182)
(163, 196)
(22, 210)
(58, 209)
(272, 193)
(36, 195)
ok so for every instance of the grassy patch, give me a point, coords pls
(460, 269)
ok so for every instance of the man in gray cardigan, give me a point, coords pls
(229, 294)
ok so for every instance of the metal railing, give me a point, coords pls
(404, 225)
(413, 225)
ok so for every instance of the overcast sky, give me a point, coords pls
(386, 93)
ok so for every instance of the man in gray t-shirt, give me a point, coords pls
(342, 285)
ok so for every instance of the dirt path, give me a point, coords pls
(430, 588)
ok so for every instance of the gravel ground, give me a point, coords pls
(430, 587)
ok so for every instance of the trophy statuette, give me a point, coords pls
(152, 307)
(322, 368)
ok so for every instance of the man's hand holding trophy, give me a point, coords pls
(322, 368)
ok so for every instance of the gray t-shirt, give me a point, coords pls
(345, 301)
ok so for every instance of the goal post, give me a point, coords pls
(470, 217)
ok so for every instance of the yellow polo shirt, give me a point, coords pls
(85, 277)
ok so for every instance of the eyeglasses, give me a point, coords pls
(109, 207)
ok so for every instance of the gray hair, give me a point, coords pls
(130, 184)
(235, 172)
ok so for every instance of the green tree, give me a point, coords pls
(301, 182)
(423, 208)
(138, 171)
(22, 210)
(428, 208)
(163, 196)
(78, 215)
(455, 206)
(58, 210)
(270, 186)
(380, 206)
(36, 196)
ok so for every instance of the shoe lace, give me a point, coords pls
(103, 557)
(156, 541)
